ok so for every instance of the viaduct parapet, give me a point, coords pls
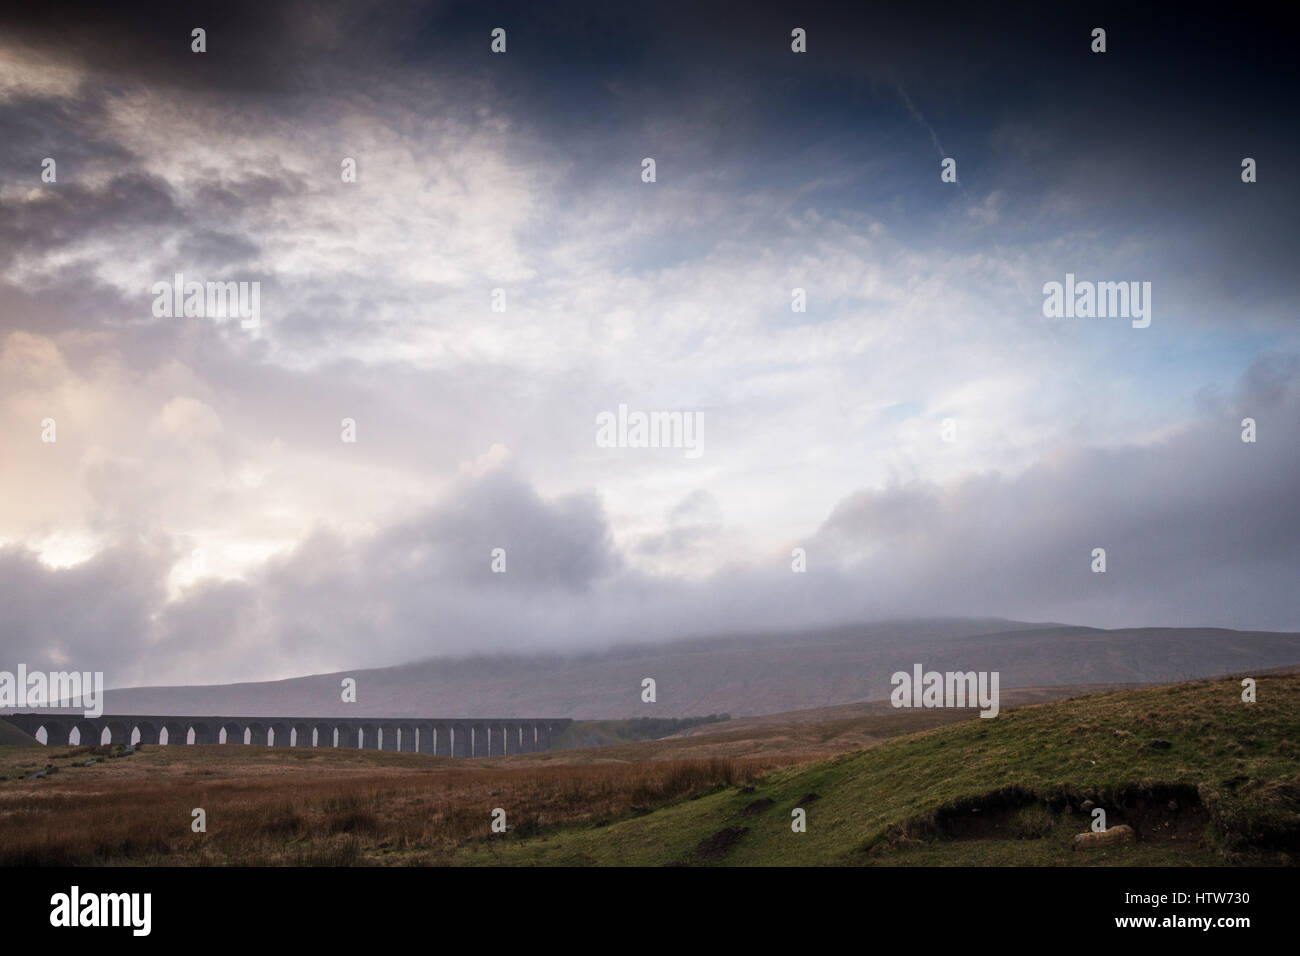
(458, 737)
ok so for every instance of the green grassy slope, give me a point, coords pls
(1201, 776)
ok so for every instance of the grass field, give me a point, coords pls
(1202, 778)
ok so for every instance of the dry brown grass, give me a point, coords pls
(138, 809)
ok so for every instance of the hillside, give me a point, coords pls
(11, 736)
(740, 675)
(1202, 777)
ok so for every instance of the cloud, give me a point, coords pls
(1219, 546)
(1198, 527)
(201, 464)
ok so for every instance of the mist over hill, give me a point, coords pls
(737, 674)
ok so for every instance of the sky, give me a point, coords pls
(199, 517)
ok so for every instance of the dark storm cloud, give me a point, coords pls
(39, 126)
(1142, 143)
(252, 47)
(122, 207)
(231, 197)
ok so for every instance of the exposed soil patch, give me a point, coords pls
(1158, 813)
(757, 807)
(721, 843)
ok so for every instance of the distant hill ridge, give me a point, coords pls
(741, 675)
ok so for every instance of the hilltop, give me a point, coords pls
(742, 675)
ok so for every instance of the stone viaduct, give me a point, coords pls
(465, 737)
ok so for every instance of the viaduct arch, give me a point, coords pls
(451, 737)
